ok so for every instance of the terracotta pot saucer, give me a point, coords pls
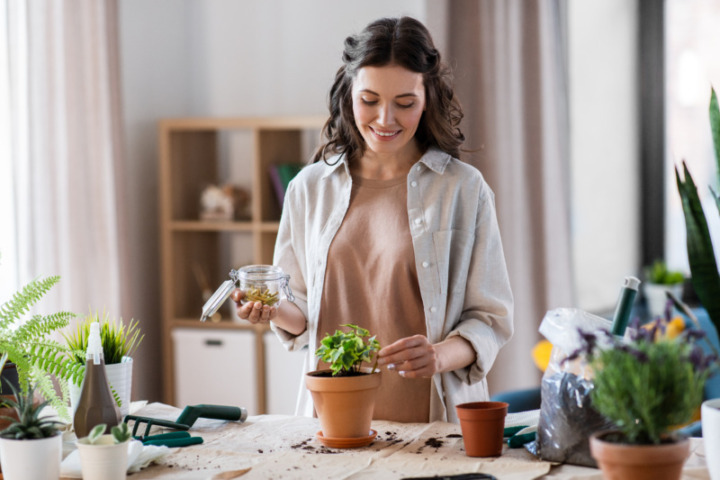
(346, 442)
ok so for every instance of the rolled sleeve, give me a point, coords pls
(486, 318)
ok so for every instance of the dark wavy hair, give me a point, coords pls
(405, 42)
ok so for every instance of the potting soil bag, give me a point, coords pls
(567, 418)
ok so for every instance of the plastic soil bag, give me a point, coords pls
(567, 418)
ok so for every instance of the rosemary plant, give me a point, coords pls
(650, 384)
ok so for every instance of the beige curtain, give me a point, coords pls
(509, 63)
(66, 151)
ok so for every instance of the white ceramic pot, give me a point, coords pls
(31, 459)
(119, 377)
(656, 299)
(103, 460)
(710, 412)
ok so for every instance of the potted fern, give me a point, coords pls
(31, 446)
(344, 395)
(105, 456)
(27, 346)
(119, 342)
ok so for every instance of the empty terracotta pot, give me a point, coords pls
(482, 425)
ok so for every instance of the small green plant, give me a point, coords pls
(346, 351)
(118, 340)
(659, 273)
(120, 433)
(649, 385)
(28, 344)
(29, 425)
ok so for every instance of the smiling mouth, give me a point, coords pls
(385, 134)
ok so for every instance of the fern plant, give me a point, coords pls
(701, 255)
(28, 344)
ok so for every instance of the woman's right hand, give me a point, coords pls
(253, 312)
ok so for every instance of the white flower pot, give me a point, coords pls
(710, 412)
(119, 377)
(104, 460)
(31, 459)
(656, 299)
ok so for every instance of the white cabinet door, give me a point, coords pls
(283, 376)
(215, 367)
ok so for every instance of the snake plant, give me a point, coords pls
(701, 256)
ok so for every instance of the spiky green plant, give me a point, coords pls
(28, 344)
(701, 255)
(118, 340)
(29, 425)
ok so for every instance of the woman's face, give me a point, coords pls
(388, 103)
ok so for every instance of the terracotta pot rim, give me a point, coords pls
(489, 405)
(335, 384)
(481, 411)
(669, 452)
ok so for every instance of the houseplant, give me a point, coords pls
(646, 386)
(27, 344)
(105, 456)
(701, 256)
(344, 395)
(119, 342)
(31, 446)
(658, 280)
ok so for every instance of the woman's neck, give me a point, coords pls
(378, 166)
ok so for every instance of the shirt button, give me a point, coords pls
(418, 168)
(426, 264)
(433, 309)
(418, 221)
(413, 184)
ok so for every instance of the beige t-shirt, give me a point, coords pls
(371, 281)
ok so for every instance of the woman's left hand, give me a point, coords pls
(411, 357)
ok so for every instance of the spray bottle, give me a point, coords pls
(96, 404)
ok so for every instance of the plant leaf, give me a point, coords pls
(701, 256)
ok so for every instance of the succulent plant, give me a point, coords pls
(29, 425)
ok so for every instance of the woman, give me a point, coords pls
(388, 230)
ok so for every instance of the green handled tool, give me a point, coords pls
(186, 419)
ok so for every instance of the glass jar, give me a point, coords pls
(262, 283)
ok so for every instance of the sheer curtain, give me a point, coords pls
(510, 75)
(64, 151)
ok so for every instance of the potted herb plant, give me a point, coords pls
(344, 395)
(119, 342)
(31, 446)
(646, 387)
(27, 347)
(105, 456)
(658, 280)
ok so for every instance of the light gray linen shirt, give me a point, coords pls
(458, 253)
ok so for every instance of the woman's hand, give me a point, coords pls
(416, 357)
(253, 312)
(411, 357)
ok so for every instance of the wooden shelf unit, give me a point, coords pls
(192, 156)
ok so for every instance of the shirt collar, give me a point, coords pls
(434, 158)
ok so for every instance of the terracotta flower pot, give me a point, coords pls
(344, 405)
(622, 461)
(482, 425)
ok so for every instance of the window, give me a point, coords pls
(692, 65)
